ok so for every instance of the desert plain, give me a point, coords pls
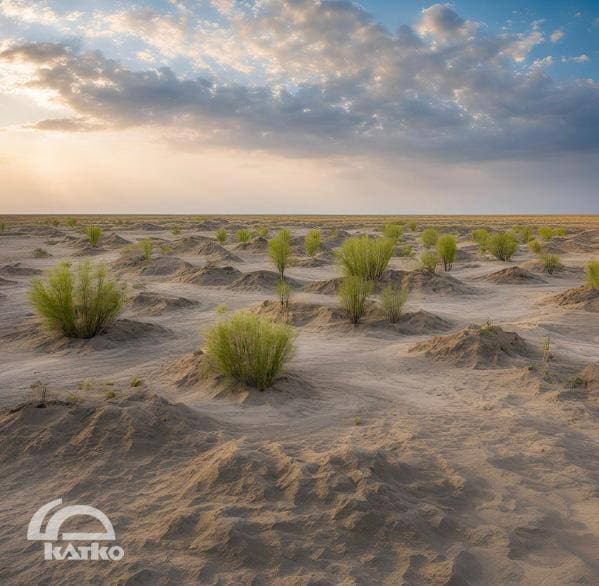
(459, 445)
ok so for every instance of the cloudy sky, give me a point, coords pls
(225, 106)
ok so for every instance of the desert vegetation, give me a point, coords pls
(284, 292)
(503, 245)
(392, 301)
(353, 293)
(481, 237)
(429, 237)
(447, 249)
(93, 235)
(312, 242)
(365, 257)
(279, 249)
(146, 246)
(551, 263)
(592, 274)
(393, 232)
(429, 260)
(243, 236)
(221, 235)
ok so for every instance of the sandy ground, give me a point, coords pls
(425, 453)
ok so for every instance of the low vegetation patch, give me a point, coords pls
(221, 235)
(93, 234)
(447, 249)
(429, 237)
(146, 249)
(551, 263)
(353, 293)
(392, 301)
(365, 257)
(312, 242)
(279, 249)
(503, 245)
(393, 232)
(592, 274)
(243, 235)
(429, 260)
(481, 237)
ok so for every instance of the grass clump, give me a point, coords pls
(2, 227)
(250, 348)
(551, 263)
(481, 237)
(365, 257)
(146, 246)
(392, 301)
(353, 293)
(93, 235)
(560, 232)
(535, 247)
(284, 292)
(429, 237)
(262, 231)
(243, 236)
(176, 230)
(221, 235)
(279, 249)
(77, 303)
(71, 222)
(503, 245)
(546, 233)
(592, 274)
(312, 242)
(393, 232)
(447, 249)
(429, 260)
(136, 382)
(405, 250)
(41, 253)
(412, 226)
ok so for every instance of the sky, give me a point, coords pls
(299, 106)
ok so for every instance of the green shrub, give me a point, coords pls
(353, 293)
(392, 301)
(71, 222)
(176, 230)
(93, 234)
(221, 235)
(405, 250)
(551, 263)
(79, 304)
(312, 242)
(412, 226)
(546, 233)
(535, 247)
(503, 245)
(146, 246)
(592, 273)
(2, 227)
(481, 237)
(284, 292)
(429, 260)
(262, 231)
(447, 249)
(393, 232)
(135, 382)
(560, 232)
(279, 249)
(429, 237)
(249, 348)
(365, 257)
(166, 248)
(243, 235)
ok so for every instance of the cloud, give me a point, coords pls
(444, 88)
(557, 35)
(582, 58)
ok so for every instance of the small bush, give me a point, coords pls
(93, 234)
(71, 222)
(41, 253)
(166, 248)
(2, 227)
(250, 348)
(279, 249)
(353, 293)
(136, 382)
(405, 250)
(481, 237)
(176, 230)
(221, 235)
(146, 246)
(312, 242)
(429, 237)
(447, 249)
(393, 232)
(503, 245)
(262, 231)
(551, 263)
(243, 235)
(411, 226)
(535, 247)
(365, 257)
(560, 232)
(546, 233)
(393, 300)
(429, 260)
(592, 273)
(79, 304)
(284, 292)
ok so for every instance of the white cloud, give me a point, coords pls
(582, 58)
(557, 35)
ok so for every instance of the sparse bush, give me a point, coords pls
(2, 227)
(71, 222)
(551, 263)
(55, 222)
(447, 249)
(176, 230)
(429, 260)
(592, 273)
(392, 301)
(93, 234)
(40, 253)
(312, 242)
(365, 257)
(405, 250)
(353, 293)
(250, 348)
(221, 235)
(146, 246)
(279, 249)
(546, 233)
(221, 309)
(503, 245)
(109, 395)
(535, 247)
(412, 226)
(560, 232)
(165, 248)
(262, 231)
(243, 235)
(79, 304)
(429, 237)
(481, 237)
(393, 232)
(284, 292)
(136, 382)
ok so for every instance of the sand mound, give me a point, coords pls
(590, 377)
(537, 266)
(6, 282)
(259, 244)
(113, 240)
(432, 282)
(421, 322)
(151, 303)
(260, 281)
(579, 298)
(583, 242)
(512, 276)
(18, 270)
(147, 227)
(163, 266)
(202, 245)
(187, 371)
(210, 275)
(326, 287)
(476, 347)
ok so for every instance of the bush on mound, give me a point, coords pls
(502, 246)
(250, 349)
(365, 257)
(77, 303)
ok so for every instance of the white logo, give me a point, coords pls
(93, 551)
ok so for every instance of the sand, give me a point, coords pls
(445, 449)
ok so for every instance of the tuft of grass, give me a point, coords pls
(535, 247)
(71, 222)
(365, 257)
(222, 308)
(560, 232)
(243, 235)
(146, 246)
(221, 235)
(392, 300)
(429, 237)
(279, 249)
(405, 250)
(165, 248)
(547, 349)
(262, 231)
(481, 237)
(546, 233)
(503, 245)
(136, 382)
(592, 274)
(93, 234)
(393, 232)
(284, 292)
(551, 263)
(41, 253)
(2, 227)
(523, 233)
(250, 348)
(412, 226)
(176, 230)
(109, 395)
(429, 260)
(447, 249)
(80, 303)
(312, 242)
(353, 293)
